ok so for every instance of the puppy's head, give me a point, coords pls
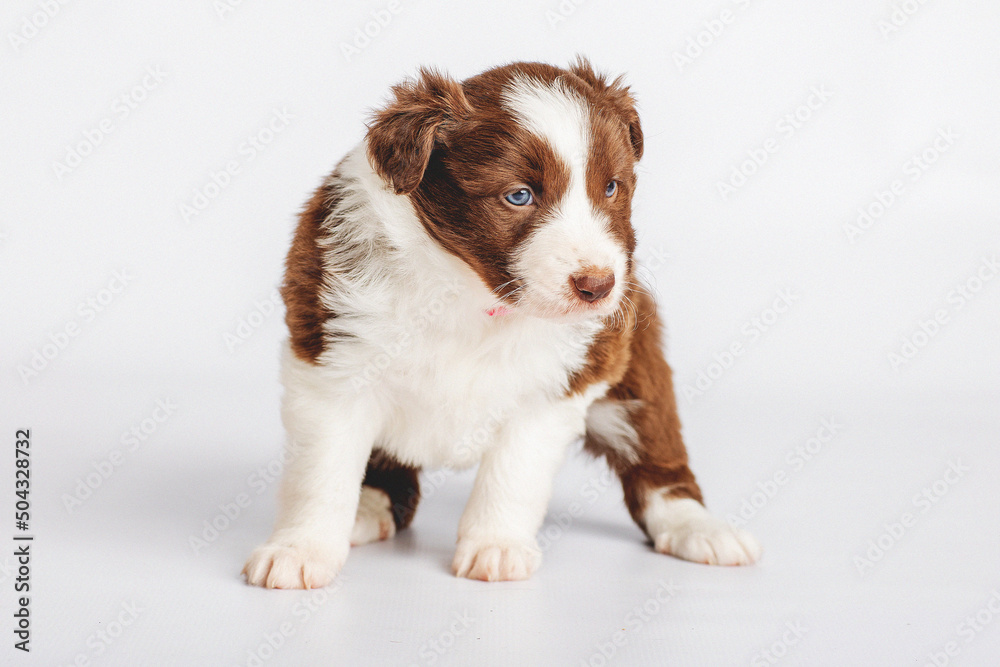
(525, 172)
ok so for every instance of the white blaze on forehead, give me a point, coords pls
(574, 235)
(554, 113)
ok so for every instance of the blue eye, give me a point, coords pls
(611, 189)
(520, 197)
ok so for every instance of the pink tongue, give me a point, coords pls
(498, 310)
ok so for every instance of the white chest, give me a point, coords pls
(450, 386)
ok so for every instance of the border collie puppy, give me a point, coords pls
(460, 291)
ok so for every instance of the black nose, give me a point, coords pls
(593, 286)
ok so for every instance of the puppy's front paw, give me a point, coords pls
(495, 560)
(685, 529)
(293, 565)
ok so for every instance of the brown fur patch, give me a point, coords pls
(304, 310)
(610, 353)
(614, 96)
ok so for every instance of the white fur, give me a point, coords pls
(576, 235)
(683, 527)
(374, 520)
(609, 421)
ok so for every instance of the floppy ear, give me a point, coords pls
(402, 135)
(618, 97)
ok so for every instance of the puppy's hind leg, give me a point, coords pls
(389, 498)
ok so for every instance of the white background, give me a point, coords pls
(717, 263)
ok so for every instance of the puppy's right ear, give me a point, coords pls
(402, 136)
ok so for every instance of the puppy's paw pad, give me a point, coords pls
(291, 566)
(374, 520)
(495, 560)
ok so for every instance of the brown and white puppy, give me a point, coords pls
(461, 291)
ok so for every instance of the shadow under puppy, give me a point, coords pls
(461, 291)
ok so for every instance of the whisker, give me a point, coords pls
(497, 289)
(639, 287)
(635, 314)
(515, 291)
